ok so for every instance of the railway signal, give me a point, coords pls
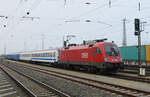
(137, 26)
(138, 31)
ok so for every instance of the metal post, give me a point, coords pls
(109, 3)
(42, 44)
(139, 51)
(124, 43)
(142, 70)
(5, 50)
(25, 46)
(43, 37)
(139, 6)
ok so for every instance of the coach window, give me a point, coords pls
(54, 54)
(98, 51)
(46, 54)
(50, 54)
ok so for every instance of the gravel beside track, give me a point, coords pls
(134, 71)
(132, 77)
(74, 89)
(97, 85)
(34, 87)
(108, 79)
(8, 87)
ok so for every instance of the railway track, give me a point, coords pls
(112, 88)
(6, 88)
(125, 76)
(130, 77)
(33, 87)
(129, 71)
(133, 70)
(135, 67)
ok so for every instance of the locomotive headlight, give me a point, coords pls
(106, 60)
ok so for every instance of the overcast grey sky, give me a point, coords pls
(59, 18)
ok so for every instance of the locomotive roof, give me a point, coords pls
(88, 46)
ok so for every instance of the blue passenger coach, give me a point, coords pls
(13, 56)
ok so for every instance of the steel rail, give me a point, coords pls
(91, 80)
(61, 94)
(27, 91)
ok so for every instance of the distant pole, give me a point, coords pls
(124, 42)
(5, 50)
(65, 1)
(43, 37)
(109, 3)
(42, 44)
(25, 46)
(139, 43)
(139, 6)
(139, 49)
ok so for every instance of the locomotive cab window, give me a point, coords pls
(111, 50)
(98, 51)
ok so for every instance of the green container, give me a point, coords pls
(130, 53)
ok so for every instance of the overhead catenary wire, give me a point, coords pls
(20, 5)
(34, 5)
(83, 16)
(94, 9)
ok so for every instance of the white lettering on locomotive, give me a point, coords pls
(84, 55)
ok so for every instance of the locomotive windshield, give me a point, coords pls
(111, 50)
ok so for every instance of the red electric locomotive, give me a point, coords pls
(95, 55)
